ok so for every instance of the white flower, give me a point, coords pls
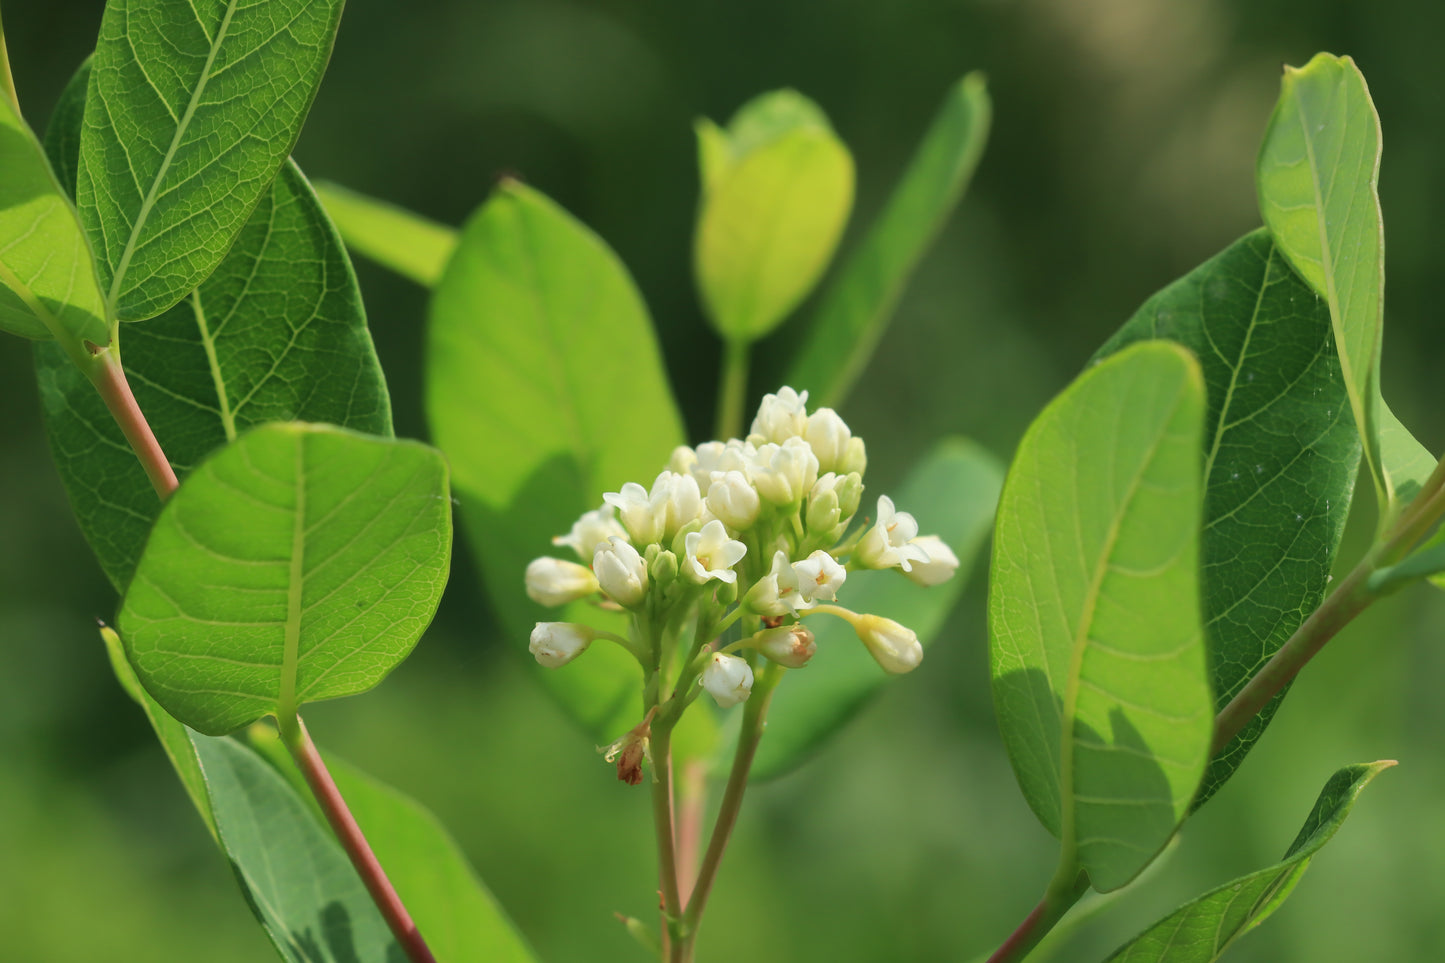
(818, 577)
(733, 499)
(557, 643)
(711, 554)
(676, 501)
(784, 473)
(633, 504)
(551, 581)
(728, 679)
(788, 645)
(887, 543)
(829, 436)
(941, 564)
(682, 461)
(777, 592)
(590, 532)
(780, 416)
(895, 647)
(716, 458)
(621, 572)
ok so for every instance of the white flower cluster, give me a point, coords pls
(754, 527)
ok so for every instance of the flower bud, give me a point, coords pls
(854, 458)
(711, 554)
(635, 509)
(849, 489)
(941, 564)
(663, 569)
(781, 416)
(823, 513)
(676, 501)
(621, 572)
(557, 643)
(683, 460)
(819, 577)
(552, 582)
(733, 499)
(829, 436)
(728, 679)
(895, 647)
(784, 473)
(590, 532)
(788, 645)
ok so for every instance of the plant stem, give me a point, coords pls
(323, 787)
(755, 714)
(692, 801)
(732, 389)
(108, 376)
(1062, 894)
(662, 823)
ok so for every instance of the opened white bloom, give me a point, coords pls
(776, 593)
(711, 554)
(784, 473)
(635, 509)
(887, 543)
(621, 572)
(590, 532)
(895, 647)
(552, 581)
(728, 679)
(780, 417)
(788, 645)
(941, 564)
(819, 577)
(734, 500)
(829, 436)
(557, 643)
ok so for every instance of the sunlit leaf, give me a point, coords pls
(1280, 457)
(1098, 658)
(857, 305)
(193, 107)
(297, 563)
(545, 388)
(395, 238)
(1201, 930)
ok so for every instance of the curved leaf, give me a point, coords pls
(545, 388)
(1098, 659)
(298, 563)
(1202, 929)
(857, 305)
(1280, 457)
(407, 243)
(953, 490)
(193, 107)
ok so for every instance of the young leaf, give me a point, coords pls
(298, 563)
(1201, 930)
(1280, 457)
(954, 488)
(857, 304)
(545, 388)
(771, 217)
(62, 132)
(393, 237)
(47, 275)
(276, 333)
(193, 107)
(1317, 178)
(1098, 660)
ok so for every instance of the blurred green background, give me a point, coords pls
(1122, 155)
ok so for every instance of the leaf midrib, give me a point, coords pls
(208, 342)
(148, 202)
(286, 705)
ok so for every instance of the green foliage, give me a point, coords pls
(857, 304)
(1280, 457)
(193, 107)
(1095, 618)
(545, 388)
(1202, 929)
(958, 485)
(777, 189)
(298, 563)
(393, 237)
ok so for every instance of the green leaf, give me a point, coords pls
(62, 133)
(545, 388)
(298, 563)
(395, 238)
(1096, 630)
(857, 305)
(48, 286)
(771, 218)
(953, 492)
(1201, 930)
(277, 333)
(193, 107)
(1317, 177)
(1280, 457)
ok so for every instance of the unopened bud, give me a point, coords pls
(829, 437)
(553, 582)
(555, 644)
(621, 572)
(734, 500)
(823, 511)
(663, 569)
(849, 489)
(788, 645)
(855, 458)
(728, 679)
(895, 647)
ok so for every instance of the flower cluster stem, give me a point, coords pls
(663, 824)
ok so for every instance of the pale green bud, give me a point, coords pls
(555, 644)
(663, 568)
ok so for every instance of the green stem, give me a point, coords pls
(1063, 892)
(298, 742)
(108, 376)
(662, 823)
(732, 391)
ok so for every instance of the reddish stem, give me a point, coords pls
(692, 799)
(109, 379)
